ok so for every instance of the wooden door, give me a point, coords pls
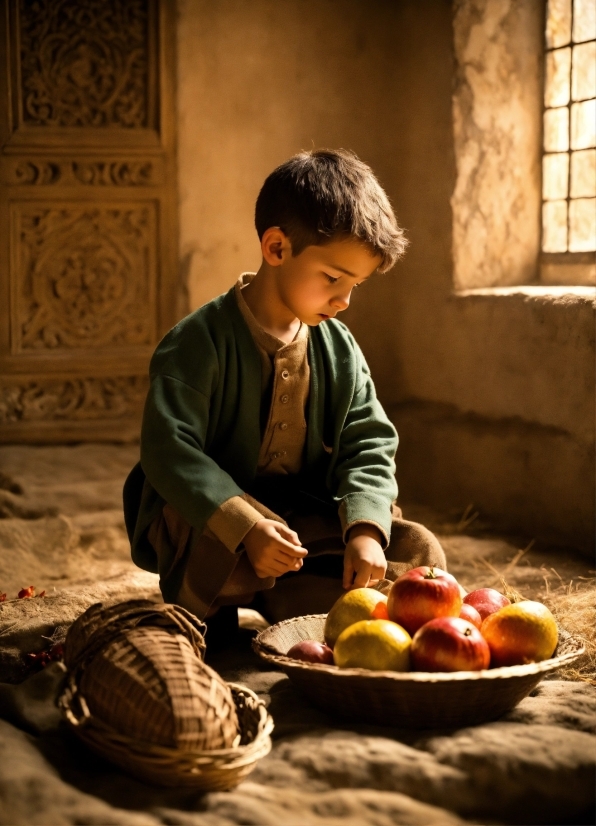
(88, 229)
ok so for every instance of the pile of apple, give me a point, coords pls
(440, 627)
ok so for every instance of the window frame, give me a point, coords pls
(563, 268)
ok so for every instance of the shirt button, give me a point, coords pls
(284, 399)
(285, 374)
(283, 426)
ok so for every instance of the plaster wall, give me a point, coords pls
(497, 113)
(259, 81)
(492, 393)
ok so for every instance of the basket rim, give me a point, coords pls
(257, 747)
(268, 652)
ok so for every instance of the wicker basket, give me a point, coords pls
(149, 685)
(206, 771)
(412, 699)
(138, 693)
(99, 623)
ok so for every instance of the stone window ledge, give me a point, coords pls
(544, 293)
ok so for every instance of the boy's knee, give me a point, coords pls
(411, 546)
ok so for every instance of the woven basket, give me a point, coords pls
(138, 693)
(99, 623)
(411, 699)
(149, 685)
(206, 771)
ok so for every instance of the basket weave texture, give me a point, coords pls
(93, 629)
(138, 693)
(410, 699)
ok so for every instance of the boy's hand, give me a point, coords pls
(273, 549)
(363, 557)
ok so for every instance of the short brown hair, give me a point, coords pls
(319, 196)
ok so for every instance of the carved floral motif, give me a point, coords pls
(32, 172)
(74, 400)
(116, 173)
(84, 62)
(90, 173)
(84, 276)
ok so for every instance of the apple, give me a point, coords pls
(422, 594)
(311, 651)
(449, 644)
(469, 613)
(486, 601)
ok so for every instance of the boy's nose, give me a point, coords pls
(342, 302)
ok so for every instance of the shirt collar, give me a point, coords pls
(270, 343)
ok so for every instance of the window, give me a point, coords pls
(569, 135)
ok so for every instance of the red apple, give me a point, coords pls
(311, 651)
(449, 644)
(469, 613)
(422, 594)
(486, 601)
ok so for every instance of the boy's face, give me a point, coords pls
(317, 284)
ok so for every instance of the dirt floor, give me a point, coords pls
(62, 532)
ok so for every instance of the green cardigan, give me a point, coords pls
(201, 436)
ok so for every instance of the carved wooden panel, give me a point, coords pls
(88, 229)
(84, 171)
(85, 63)
(76, 399)
(84, 276)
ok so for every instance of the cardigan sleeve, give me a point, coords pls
(365, 467)
(232, 521)
(173, 434)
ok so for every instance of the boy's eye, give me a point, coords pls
(330, 278)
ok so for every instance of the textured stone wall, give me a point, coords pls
(497, 108)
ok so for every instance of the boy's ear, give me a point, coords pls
(275, 246)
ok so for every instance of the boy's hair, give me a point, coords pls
(320, 196)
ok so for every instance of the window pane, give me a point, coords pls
(556, 130)
(554, 226)
(583, 124)
(583, 174)
(558, 23)
(555, 171)
(583, 83)
(582, 225)
(584, 20)
(558, 65)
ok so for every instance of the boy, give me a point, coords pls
(266, 459)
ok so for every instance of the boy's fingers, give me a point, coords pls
(289, 549)
(362, 576)
(378, 572)
(291, 535)
(287, 559)
(290, 564)
(276, 568)
(348, 574)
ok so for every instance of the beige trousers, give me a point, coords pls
(204, 574)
